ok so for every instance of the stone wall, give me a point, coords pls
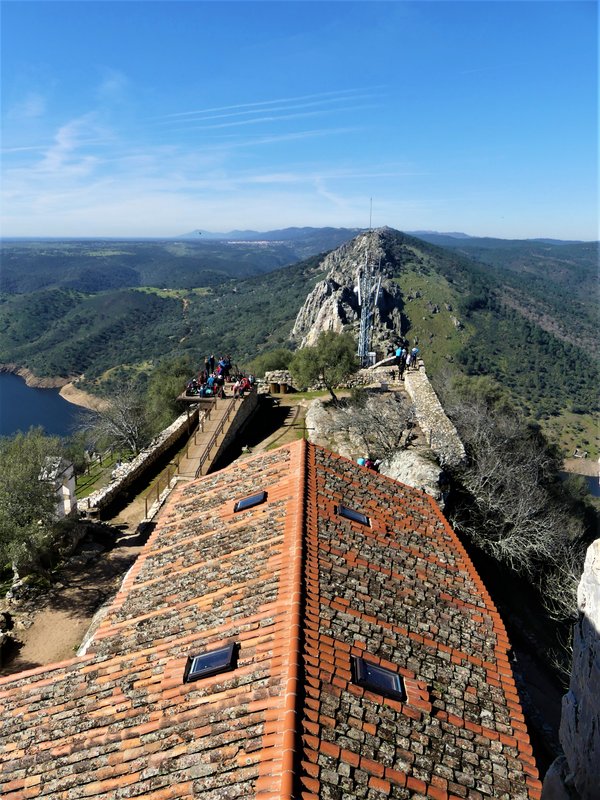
(245, 410)
(576, 775)
(441, 434)
(129, 473)
(278, 377)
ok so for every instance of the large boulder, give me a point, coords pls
(414, 468)
(577, 774)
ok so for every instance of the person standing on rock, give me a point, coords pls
(400, 361)
(413, 357)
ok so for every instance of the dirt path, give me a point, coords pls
(581, 466)
(55, 632)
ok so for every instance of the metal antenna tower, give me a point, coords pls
(369, 284)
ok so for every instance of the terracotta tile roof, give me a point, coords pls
(301, 590)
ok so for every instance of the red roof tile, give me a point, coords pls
(302, 591)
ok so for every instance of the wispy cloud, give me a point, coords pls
(114, 86)
(199, 124)
(32, 106)
(283, 102)
(65, 151)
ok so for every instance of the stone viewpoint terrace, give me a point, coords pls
(302, 592)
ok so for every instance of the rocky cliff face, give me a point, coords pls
(333, 303)
(576, 775)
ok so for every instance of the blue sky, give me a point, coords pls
(157, 118)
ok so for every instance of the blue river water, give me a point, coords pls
(22, 407)
(592, 483)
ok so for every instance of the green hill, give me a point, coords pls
(471, 317)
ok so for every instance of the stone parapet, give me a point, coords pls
(128, 473)
(441, 434)
(369, 376)
(246, 408)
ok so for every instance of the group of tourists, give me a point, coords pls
(405, 358)
(212, 379)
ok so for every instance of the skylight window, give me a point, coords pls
(378, 679)
(202, 666)
(355, 516)
(249, 502)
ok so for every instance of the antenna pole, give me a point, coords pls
(371, 216)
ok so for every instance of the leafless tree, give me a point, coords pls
(380, 423)
(122, 421)
(514, 515)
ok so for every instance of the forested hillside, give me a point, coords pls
(60, 332)
(531, 333)
(554, 284)
(95, 266)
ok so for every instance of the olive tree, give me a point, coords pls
(28, 500)
(330, 362)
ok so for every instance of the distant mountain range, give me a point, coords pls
(282, 235)
(345, 234)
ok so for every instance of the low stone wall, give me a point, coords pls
(245, 410)
(281, 379)
(441, 434)
(369, 376)
(128, 473)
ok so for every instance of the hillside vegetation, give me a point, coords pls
(94, 266)
(165, 299)
(554, 284)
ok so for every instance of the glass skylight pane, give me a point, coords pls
(248, 502)
(378, 679)
(355, 516)
(205, 664)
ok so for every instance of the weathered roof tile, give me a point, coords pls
(302, 590)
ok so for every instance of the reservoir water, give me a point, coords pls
(22, 407)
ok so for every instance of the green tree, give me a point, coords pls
(330, 362)
(27, 500)
(269, 360)
(166, 382)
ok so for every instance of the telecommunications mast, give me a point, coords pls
(369, 284)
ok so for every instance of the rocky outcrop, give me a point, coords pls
(333, 304)
(576, 775)
(415, 466)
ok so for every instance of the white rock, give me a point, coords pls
(580, 721)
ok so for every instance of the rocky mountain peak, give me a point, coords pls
(333, 303)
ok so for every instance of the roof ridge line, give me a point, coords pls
(295, 528)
